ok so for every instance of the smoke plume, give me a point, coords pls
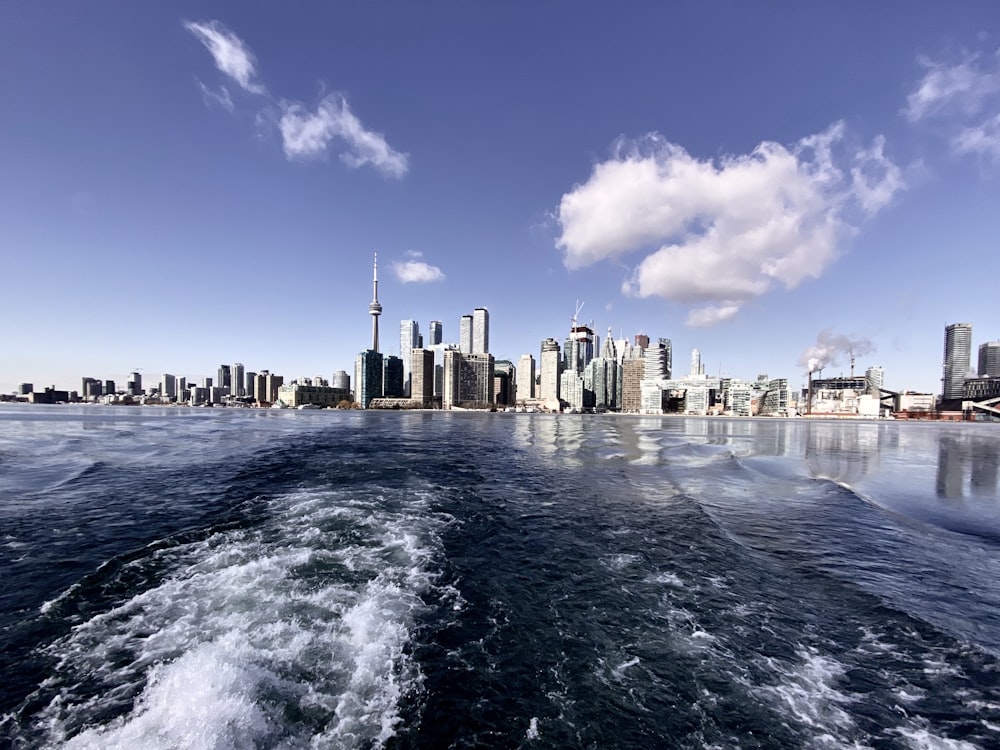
(829, 348)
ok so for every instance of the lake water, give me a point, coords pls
(210, 578)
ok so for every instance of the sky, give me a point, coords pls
(776, 184)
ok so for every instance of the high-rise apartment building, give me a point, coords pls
(341, 380)
(989, 359)
(434, 331)
(549, 376)
(465, 334)
(642, 341)
(480, 330)
(422, 377)
(632, 375)
(504, 376)
(957, 358)
(656, 362)
(134, 384)
(525, 378)
(224, 379)
(409, 339)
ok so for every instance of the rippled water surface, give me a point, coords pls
(280, 579)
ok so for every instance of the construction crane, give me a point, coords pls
(579, 306)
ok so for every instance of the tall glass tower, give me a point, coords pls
(957, 358)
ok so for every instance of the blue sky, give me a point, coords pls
(188, 184)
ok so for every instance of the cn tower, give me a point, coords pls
(375, 309)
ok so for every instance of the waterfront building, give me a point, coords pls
(434, 332)
(92, 389)
(134, 387)
(450, 378)
(776, 399)
(571, 390)
(168, 387)
(392, 377)
(341, 380)
(248, 388)
(238, 380)
(422, 377)
(981, 389)
(738, 398)
(300, 394)
(224, 380)
(989, 359)
(549, 375)
(409, 339)
(957, 358)
(633, 372)
(23, 389)
(368, 371)
(504, 375)
(480, 331)
(109, 388)
(465, 334)
(525, 378)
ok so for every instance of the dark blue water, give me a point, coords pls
(238, 579)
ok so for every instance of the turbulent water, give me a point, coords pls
(282, 579)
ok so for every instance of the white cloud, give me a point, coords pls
(416, 271)
(965, 97)
(307, 135)
(983, 138)
(960, 87)
(231, 55)
(719, 234)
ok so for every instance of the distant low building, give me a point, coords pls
(297, 394)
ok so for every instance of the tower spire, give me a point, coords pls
(375, 309)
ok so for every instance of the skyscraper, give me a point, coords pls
(238, 378)
(375, 309)
(989, 359)
(957, 357)
(465, 334)
(435, 333)
(409, 339)
(422, 381)
(549, 385)
(480, 331)
(225, 377)
(874, 379)
(525, 377)
(367, 377)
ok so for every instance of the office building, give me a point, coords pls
(168, 387)
(525, 388)
(989, 359)
(238, 380)
(480, 331)
(92, 389)
(633, 370)
(224, 379)
(435, 333)
(504, 376)
(409, 339)
(957, 358)
(392, 377)
(368, 370)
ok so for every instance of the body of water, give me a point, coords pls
(209, 578)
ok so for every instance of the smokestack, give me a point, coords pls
(809, 397)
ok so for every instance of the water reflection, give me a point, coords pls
(960, 455)
(844, 453)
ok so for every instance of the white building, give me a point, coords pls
(409, 339)
(480, 331)
(525, 377)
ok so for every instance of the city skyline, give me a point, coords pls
(218, 197)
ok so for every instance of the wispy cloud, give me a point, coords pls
(305, 134)
(964, 96)
(417, 272)
(717, 234)
(232, 57)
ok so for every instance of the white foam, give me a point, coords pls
(255, 624)
(532, 733)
